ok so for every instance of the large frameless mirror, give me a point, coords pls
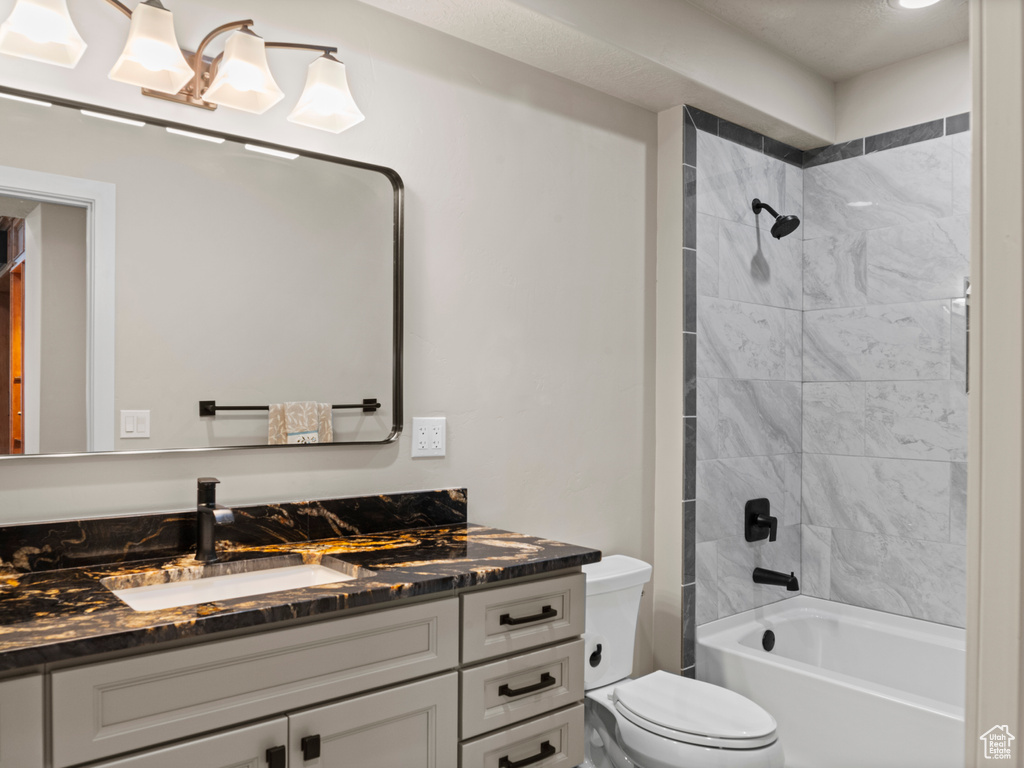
(161, 288)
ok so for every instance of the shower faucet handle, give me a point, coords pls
(758, 522)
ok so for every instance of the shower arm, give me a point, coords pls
(757, 206)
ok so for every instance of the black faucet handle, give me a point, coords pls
(207, 491)
(758, 522)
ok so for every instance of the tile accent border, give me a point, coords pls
(716, 126)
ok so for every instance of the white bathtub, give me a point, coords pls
(849, 687)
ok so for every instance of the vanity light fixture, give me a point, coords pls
(42, 30)
(239, 78)
(912, 4)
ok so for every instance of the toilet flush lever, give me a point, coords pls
(758, 522)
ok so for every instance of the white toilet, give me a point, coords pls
(660, 720)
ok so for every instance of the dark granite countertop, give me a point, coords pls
(68, 613)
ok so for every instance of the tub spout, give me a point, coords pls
(764, 576)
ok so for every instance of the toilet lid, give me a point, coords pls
(695, 712)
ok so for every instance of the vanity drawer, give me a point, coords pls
(108, 708)
(496, 622)
(21, 722)
(501, 693)
(559, 736)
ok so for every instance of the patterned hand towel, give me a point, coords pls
(302, 422)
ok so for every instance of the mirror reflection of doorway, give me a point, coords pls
(12, 334)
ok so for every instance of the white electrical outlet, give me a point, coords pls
(428, 436)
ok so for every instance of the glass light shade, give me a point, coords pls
(42, 30)
(326, 102)
(151, 57)
(243, 79)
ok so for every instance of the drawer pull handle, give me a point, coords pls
(310, 747)
(276, 757)
(546, 681)
(547, 612)
(546, 750)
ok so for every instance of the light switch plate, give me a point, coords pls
(134, 424)
(428, 436)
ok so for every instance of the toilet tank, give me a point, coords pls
(614, 587)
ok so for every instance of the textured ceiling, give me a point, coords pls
(842, 38)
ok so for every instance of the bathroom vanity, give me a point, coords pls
(451, 645)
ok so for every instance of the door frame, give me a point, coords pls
(99, 200)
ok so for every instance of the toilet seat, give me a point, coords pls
(694, 712)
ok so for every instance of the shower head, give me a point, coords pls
(783, 224)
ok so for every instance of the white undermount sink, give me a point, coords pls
(179, 594)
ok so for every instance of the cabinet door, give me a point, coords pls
(239, 748)
(21, 722)
(409, 726)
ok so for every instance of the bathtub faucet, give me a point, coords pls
(764, 576)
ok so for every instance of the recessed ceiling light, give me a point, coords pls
(912, 4)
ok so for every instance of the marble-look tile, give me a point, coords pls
(920, 261)
(707, 419)
(833, 153)
(689, 458)
(690, 672)
(916, 420)
(794, 342)
(922, 579)
(784, 152)
(707, 255)
(958, 123)
(705, 121)
(741, 341)
(743, 136)
(689, 619)
(737, 559)
(753, 266)
(689, 139)
(901, 185)
(958, 503)
(835, 271)
(707, 582)
(690, 344)
(958, 341)
(815, 560)
(783, 555)
(689, 206)
(885, 342)
(833, 417)
(894, 496)
(758, 418)
(724, 486)
(794, 204)
(735, 576)
(792, 471)
(730, 176)
(960, 146)
(903, 136)
(689, 290)
(689, 541)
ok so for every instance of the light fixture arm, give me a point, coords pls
(121, 7)
(326, 50)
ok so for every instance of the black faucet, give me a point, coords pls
(208, 514)
(764, 576)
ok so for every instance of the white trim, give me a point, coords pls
(100, 202)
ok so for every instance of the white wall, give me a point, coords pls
(529, 285)
(928, 87)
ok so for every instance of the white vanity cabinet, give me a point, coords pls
(21, 722)
(491, 677)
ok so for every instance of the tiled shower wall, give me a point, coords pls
(749, 298)
(886, 251)
(830, 368)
